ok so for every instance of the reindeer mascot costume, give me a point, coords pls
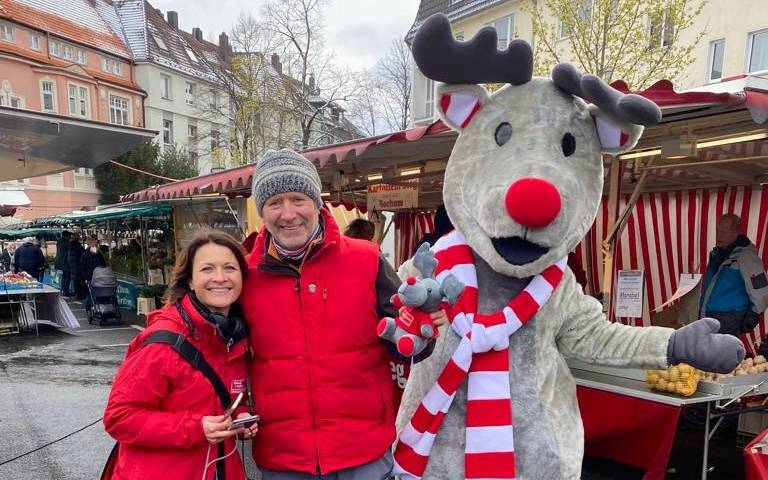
(522, 188)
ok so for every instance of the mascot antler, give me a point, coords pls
(443, 58)
(629, 108)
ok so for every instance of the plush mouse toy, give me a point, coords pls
(495, 399)
(416, 300)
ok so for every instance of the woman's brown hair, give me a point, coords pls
(182, 271)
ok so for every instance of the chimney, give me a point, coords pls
(275, 61)
(224, 50)
(311, 82)
(198, 34)
(173, 19)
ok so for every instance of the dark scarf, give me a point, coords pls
(719, 255)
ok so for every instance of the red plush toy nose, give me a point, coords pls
(533, 202)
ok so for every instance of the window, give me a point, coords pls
(2, 100)
(194, 159)
(17, 102)
(34, 42)
(429, 99)
(214, 140)
(117, 67)
(715, 70)
(55, 49)
(661, 30)
(214, 99)
(106, 64)
(191, 55)
(80, 56)
(49, 94)
(78, 101)
(165, 86)
(757, 53)
(192, 132)
(118, 110)
(68, 52)
(85, 172)
(189, 93)
(6, 32)
(168, 132)
(159, 41)
(459, 36)
(505, 28)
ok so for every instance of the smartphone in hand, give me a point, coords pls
(244, 422)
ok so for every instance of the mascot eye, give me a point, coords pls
(503, 133)
(569, 144)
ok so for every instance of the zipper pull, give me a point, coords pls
(230, 342)
(325, 293)
(297, 285)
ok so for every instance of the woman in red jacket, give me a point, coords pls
(166, 414)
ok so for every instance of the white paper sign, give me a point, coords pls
(629, 294)
(685, 284)
(384, 196)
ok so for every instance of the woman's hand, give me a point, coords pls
(216, 428)
(439, 318)
(247, 433)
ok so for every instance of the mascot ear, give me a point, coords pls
(459, 103)
(615, 137)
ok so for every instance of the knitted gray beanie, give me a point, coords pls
(285, 171)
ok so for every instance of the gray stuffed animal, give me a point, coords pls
(416, 300)
(522, 187)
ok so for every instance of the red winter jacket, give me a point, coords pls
(321, 376)
(158, 400)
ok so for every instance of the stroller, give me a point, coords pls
(102, 297)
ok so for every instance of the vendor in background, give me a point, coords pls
(72, 267)
(29, 258)
(62, 246)
(5, 258)
(735, 289)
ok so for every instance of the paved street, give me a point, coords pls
(53, 385)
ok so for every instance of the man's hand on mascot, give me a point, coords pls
(700, 345)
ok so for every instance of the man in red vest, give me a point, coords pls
(312, 298)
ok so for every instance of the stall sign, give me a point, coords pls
(629, 294)
(385, 196)
(126, 294)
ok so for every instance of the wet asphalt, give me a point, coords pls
(54, 384)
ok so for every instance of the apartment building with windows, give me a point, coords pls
(184, 103)
(735, 40)
(62, 57)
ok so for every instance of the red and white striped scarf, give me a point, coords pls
(483, 357)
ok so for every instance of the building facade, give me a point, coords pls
(735, 39)
(184, 102)
(62, 57)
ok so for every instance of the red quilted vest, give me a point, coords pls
(321, 376)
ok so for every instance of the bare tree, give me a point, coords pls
(319, 87)
(396, 83)
(382, 103)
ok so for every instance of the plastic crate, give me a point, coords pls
(19, 286)
(752, 423)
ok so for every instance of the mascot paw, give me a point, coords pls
(386, 328)
(700, 345)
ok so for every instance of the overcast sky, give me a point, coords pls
(358, 31)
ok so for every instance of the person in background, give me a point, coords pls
(90, 259)
(361, 228)
(735, 289)
(62, 246)
(443, 225)
(74, 253)
(29, 258)
(165, 414)
(5, 258)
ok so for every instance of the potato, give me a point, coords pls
(752, 371)
(759, 359)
